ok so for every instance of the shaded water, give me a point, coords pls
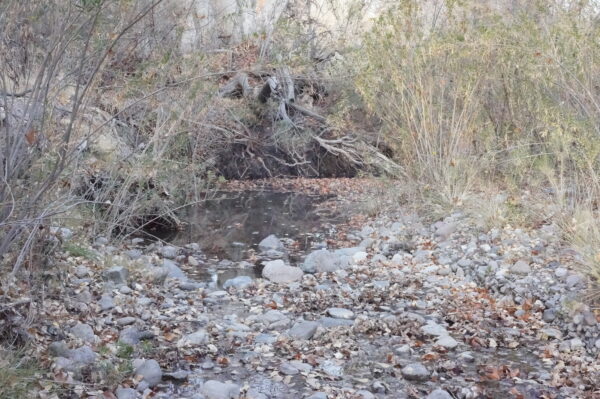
(231, 225)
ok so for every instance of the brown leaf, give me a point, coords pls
(31, 137)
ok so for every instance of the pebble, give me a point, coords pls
(415, 372)
(447, 342)
(340, 313)
(150, 371)
(303, 330)
(106, 302)
(213, 389)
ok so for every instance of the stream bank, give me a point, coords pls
(387, 307)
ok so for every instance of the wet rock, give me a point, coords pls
(521, 267)
(150, 371)
(439, 394)
(340, 313)
(321, 261)
(126, 393)
(218, 390)
(116, 275)
(84, 332)
(303, 330)
(240, 282)
(271, 243)
(198, 338)
(415, 372)
(278, 272)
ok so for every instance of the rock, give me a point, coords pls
(447, 342)
(332, 369)
(445, 230)
(303, 330)
(318, 395)
(190, 285)
(116, 275)
(330, 322)
(364, 394)
(82, 356)
(521, 267)
(360, 256)
(180, 375)
(126, 393)
(573, 280)
(271, 243)
(340, 313)
(288, 369)
(549, 315)
(589, 318)
(150, 370)
(278, 272)
(125, 321)
(321, 261)
(415, 372)
(432, 328)
(218, 390)
(239, 282)
(439, 394)
(84, 332)
(130, 336)
(82, 271)
(106, 302)
(576, 343)
(561, 272)
(58, 349)
(551, 333)
(200, 337)
(173, 271)
(133, 254)
(168, 252)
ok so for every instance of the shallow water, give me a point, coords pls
(231, 225)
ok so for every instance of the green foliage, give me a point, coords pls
(17, 375)
(79, 251)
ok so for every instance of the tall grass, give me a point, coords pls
(470, 93)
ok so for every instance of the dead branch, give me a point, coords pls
(238, 85)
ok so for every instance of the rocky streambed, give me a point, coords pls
(399, 309)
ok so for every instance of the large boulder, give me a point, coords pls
(271, 243)
(278, 272)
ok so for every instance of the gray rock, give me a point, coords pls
(415, 372)
(106, 302)
(58, 349)
(125, 321)
(83, 355)
(434, 329)
(180, 375)
(573, 280)
(173, 271)
(278, 272)
(589, 318)
(190, 285)
(439, 394)
(447, 342)
(239, 282)
(126, 393)
(116, 275)
(445, 230)
(332, 369)
(364, 394)
(303, 330)
(318, 395)
(130, 336)
(84, 332)
(168, 252)
(330, 322)
(321, 261)
(200, 337)
(271, 243)
(561, 272)
(82, 271)
(521, 267)
(552, 333)
(288, 369)
(549, 315)
(218, 390)
(133, 254)
(340, 313)
(151, 372)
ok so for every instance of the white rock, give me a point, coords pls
(340, 313)
(200, 337)
(278, 272)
